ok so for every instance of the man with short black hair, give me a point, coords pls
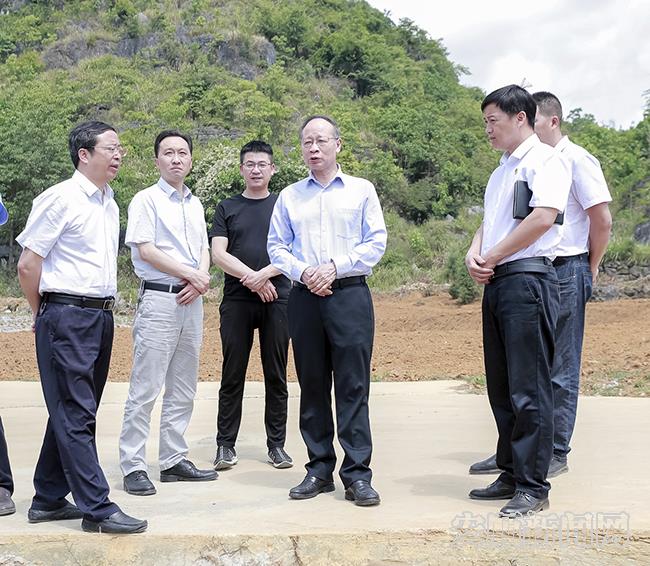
(169, 249)
(68, 272)
(585, 236)
(513, 258)
(255, 296)
(327, 232)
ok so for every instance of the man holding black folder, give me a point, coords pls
(513, 259)
(584, 241)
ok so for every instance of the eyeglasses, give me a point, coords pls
(261, 165)
(307, 144)
(113, 149)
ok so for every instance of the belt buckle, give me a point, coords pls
(108, 304)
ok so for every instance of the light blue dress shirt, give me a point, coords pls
(313, 224)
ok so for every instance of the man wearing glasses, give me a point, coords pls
(68, 272)
(169, 249)
(327, 233)
(255, 296)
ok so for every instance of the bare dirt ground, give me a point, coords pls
(417, 337)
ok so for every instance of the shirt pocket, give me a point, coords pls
(347, 223)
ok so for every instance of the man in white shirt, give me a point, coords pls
(513, 259)
(169, 248)
(68, 272)
(327, 232)
(585, 237)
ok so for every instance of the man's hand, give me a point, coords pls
(321, 279)
(268, 292)
(188, 295)
(200, 280)
(594, 272)
(254, 280)
(479, 270)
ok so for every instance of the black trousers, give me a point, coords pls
(520, 314)
(332, 339)
(6, 479)
(239, 319)
(73, 349)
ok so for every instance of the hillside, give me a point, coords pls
(229, 71)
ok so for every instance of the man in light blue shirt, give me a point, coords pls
(326, 234)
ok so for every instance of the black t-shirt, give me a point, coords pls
(245, 222)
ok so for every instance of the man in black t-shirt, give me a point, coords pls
(255, 296)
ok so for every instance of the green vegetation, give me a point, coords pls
(229, 71)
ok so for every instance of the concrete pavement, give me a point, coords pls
(426, 434)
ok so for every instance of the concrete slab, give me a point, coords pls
(426, 434)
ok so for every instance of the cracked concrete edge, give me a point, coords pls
(392, 548)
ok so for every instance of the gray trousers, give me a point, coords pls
(166, 345)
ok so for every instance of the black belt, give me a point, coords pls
(103, 303)
(165, 287)
(561, 260)
(525, 265)
(338, 283)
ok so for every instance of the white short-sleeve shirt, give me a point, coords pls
(549, 178)
(588, 189)
(175, 225)
(75, 227)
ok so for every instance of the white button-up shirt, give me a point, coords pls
(549, 178)
(588, 189)
(75, 228)
(175, 225)
(313, 224)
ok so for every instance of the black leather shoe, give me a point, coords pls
(362, 494)
(523, 504)
(117, 523)
(496, 490)
(7, 505)
(557, 466)
(487, 466)
(138, 483)
(186, 471)
(310, 487)
(65, 513)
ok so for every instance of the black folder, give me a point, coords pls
(520, 206)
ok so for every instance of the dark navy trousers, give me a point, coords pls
(332, 340)
(239, 319)
(520, 313)
(73, 349)
(576, 283)
(6, 479)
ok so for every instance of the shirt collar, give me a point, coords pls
(522, 149)
(562, 144)
(171, 191)
(88, 187)
(337, 177)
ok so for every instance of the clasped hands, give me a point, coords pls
(258, 282)
(196, 284)
(319, 279)
(479, 268)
